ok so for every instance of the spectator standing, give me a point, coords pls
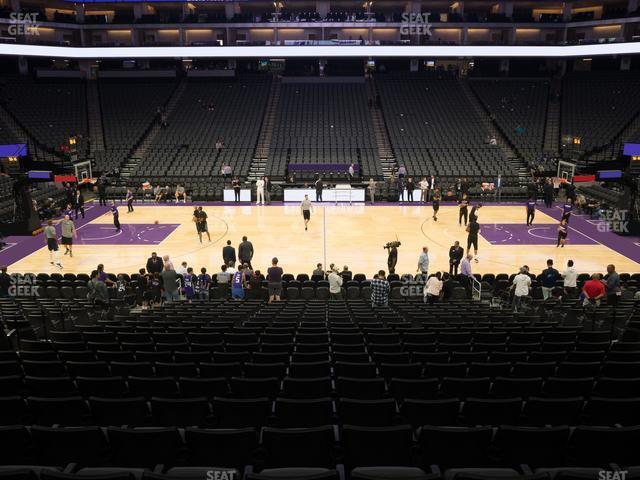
(274, 279)
(380, 289)
(570, 277)
(335, 285)
(612, 283)
(102, 190)
(456, 252)
(319, 187)
(592, 291)
(260, 191)
(245, 251)
(424, 190)
(238, 284)
(433, 289)
(154, 264)
(548, 279)
(410, 188)
(318, 272)
(169, 279)
(547, 191)
(182, 269)
(497, 185)
(431, 186)
(267, 190)
(521, 286)
(203, 285)
(5, 282)
(97, 290)
(423, 262)
(467, 277)
(229, 254)
(346, 274)
(167, 262)
(235, 184)
(372, 190)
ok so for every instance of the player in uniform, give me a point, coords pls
(129, 199)
(200, 218)
(563, 229)
(116, 216)
(463, 205)
(531, 211)
(305, 207)
(437, 197)
(51, 238)
(566, 210)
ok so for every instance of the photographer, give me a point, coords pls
(392, 259)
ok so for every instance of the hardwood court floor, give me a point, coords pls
(350, 235)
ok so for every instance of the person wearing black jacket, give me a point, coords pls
(319, 188)
(245, 252)
(229, 255)
(410, 187)
(154, 264)
(548, 194)
(79, 203)
(456, 252)
(102, 191)
(463, 205)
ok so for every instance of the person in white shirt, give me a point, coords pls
(335, 285)
(352, 171)
(570, 277)
(182, 269)
(260, 191)
(168, 264)
(433, 288)
(230, 268)
(521, 285)
(424, 190)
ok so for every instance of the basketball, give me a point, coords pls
(156, 222)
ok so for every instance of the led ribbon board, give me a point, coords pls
(411, 51)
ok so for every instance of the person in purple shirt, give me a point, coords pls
(102, 275)
(238, 282)
(129, 199)
(566, 211)
(116, 216)
(531, 211)
(204, 281)
(189, 284)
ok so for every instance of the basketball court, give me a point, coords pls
(343, 234)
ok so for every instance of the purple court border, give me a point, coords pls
(20, 247)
